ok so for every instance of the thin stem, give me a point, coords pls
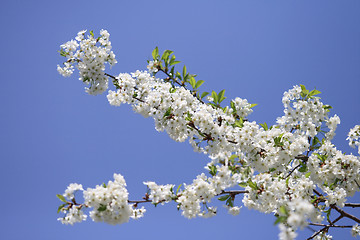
(335, 226)
(353, 205)
(233, 192)
(326, 228)
(293, 170)
(111, 76)
(171, 77)
(138, 201)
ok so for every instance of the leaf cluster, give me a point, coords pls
(306, 94)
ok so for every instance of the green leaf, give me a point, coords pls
(303, 168)
(283, 210)
(307, 174)
(280, 219)
(61, 197)
(184, 72)
(167, 113)
(204, 94)
(303, 88)
(172, 90)
(172, 71)
(304, 92)
(155, 53)
(61, 207)
(328, 212)
(272, 169)
(92, 33)
(178, 188)
(239, 123)
(278, 142)
(178, 75)
(230, 202)
(166, 55)
(102, 208)
(315, 141)
(253, 105)
(232, 157)
(252, 185)
(243, 184)
(192, 82)
(104, 185)
(188, 117)
(63, 53)
(265, 126)
(224, 198)
(314, 92)
(221, 96)
(214, 96)
(213, 170)
(172, 60)
(321, 157)
(232, 105)
(327, 107)
(199, 83)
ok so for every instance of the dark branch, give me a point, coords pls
(329, 226)
(353, 205)
(111, 76)
(233, 192)
(326, 228)
(345, 214)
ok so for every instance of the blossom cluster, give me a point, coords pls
(279, 167)
(108, 201)
(354, 137)
(72, 215)
(335, 173)
(89, 54)
(160, 193)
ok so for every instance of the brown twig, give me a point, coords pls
(345, 214)
(335, 226)
(326, 228)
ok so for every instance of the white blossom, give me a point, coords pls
(355, 230)
(109, 202)
(73, 215)
(73, 187)
(354, 137)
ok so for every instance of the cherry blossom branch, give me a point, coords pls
(208, 136)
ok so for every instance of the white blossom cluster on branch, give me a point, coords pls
(290, 169)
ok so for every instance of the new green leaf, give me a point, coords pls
(61, 197)
(155, 53)
(199, 83)
(224, 198)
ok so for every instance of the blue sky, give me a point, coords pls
(53, 133)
